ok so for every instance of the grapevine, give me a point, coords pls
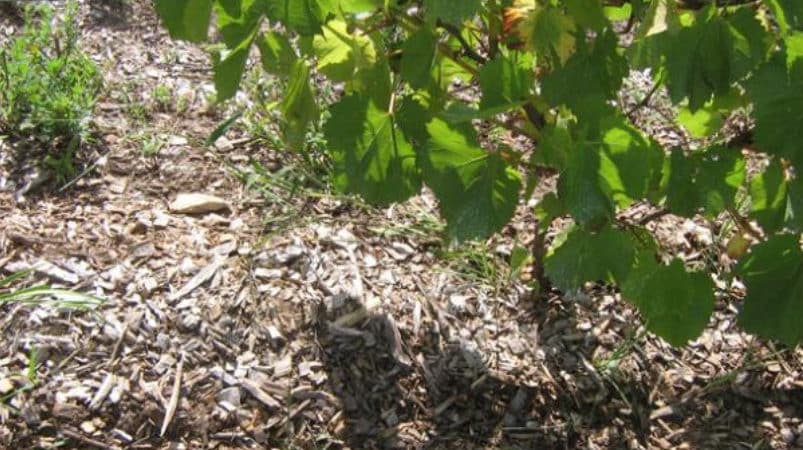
(550, 70)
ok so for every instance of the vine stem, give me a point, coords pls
(539, 252)
(644, 101)
(744, 224)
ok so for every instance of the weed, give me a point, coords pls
(150, 142)
(38, 295)
(44, 295)
(477, 262)
(610, 364)
(163, 98)
(48, 86)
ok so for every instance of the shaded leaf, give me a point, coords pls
(708, 180)
(582, 190)
(230, 66)
(598, 68)
(768, 193)
(418, 56)
(477, 191)
(185, 19)
(773, 275)
(777, 94)
(675, 304)
(452, 11)
(584, 256)
(276, 52)
(372, 157)
(504, 82)
(550, 33)
(303, 16)
(298, 106)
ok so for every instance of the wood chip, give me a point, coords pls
(172, 404)
(200, 278)
(103, 392)
(266, 399)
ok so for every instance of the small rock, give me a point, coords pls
(88, 427)
(400, 251)
(223, 145)
(290, 254)
(136, 228)
(160, 219)
(457, 304)
(6, 386)
(189, 322)
(177, 140)
(196, 203)
(267, 274)
(787, 435)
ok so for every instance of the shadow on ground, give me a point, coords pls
(438, 392)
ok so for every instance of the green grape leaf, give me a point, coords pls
(711, 116)
(788, 13)
(708, 180)
(659, 16)
(412, 118)
(303, 16)
(452, 11)
(236, 19)
(298, 107)
(358, 6)
(341, 53)
(707, 57)
(229, 68)
(582, 189)
(698, 62)
(604, 256)
(548, 209)
(794, 212)
(773, 275)
(750, 42)
(588, 13)
(185, 19)
(659, 26)
(675, 304)
(554, 147)
(768, 192)
(550, 33)
(373, 79)
(504, 83)
(777, 94)
(598, 68)
(372, 156)
(277, 54)
(630, 162)
(418, 57)
(478, 191)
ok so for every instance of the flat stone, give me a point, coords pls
(197, 203)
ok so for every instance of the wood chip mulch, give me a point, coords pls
(341, 330)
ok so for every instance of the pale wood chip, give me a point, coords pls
(172, 404)
(200, 278)
(266, 399)
(103, 392)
